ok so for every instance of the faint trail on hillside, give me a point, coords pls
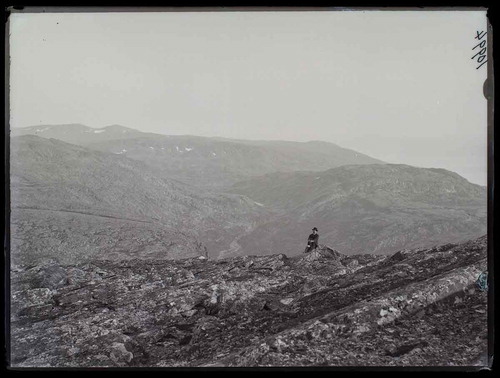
(83, 213)
(234, 246)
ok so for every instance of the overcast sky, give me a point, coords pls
(398, 86)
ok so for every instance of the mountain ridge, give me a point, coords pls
(366, 207)
(208, 162)
(372, 207)
(28, 130)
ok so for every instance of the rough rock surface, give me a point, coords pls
(416, 307)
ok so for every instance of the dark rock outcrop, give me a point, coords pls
(322, 308)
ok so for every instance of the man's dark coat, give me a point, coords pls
(312, 242)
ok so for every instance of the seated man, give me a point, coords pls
(312, 241)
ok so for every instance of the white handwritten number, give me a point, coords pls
(482, 49)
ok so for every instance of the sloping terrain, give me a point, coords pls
(375, 208)
(201, 161)
(39, 235)
(216, 163)
(413, 308)
(62, 193)
(378, 208)
(79, 134)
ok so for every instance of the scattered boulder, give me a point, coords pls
(323, 253)
(120, 355)
(398, 256)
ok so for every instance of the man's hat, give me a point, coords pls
(315, 229)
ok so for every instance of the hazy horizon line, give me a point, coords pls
(193, 135)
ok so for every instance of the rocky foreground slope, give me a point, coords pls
(419, 307)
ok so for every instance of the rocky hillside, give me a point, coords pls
(68, 237)
(201, 161)
(413, 308)
(69, 201)
(378, 208)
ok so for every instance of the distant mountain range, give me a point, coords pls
(365, 208)
(202, 161)
(79, 192)
(76, 133)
